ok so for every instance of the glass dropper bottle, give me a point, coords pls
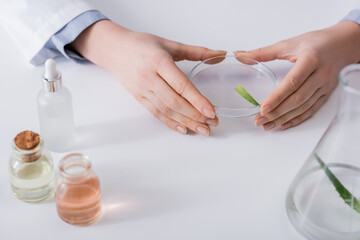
(55, 110)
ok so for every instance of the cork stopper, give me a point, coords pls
(27, 140)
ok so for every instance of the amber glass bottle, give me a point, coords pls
(77, 194)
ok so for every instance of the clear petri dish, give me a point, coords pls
(217, 77)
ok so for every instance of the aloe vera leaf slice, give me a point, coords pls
(345, 194)
(246, 95)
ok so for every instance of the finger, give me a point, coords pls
(299, 73)
(301, 118)
(214, 60)
(245, 60)
(295, 112)
(193, 53)
(298, 98)
(269, 53)
(178, 82)
(198, 127)
(170, 123)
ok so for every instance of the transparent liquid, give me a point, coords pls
(33, 182)
(79, 204)
(218, 84)
(316, 209)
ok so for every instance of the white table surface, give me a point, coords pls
(157, 184)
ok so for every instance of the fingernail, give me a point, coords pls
(266, 109)
(269, 126)
(286, 126)
(221, 52)
(209, 113)
(203, 131)
(261, 121)
(181, 129)
(239, 51)
(212, 122)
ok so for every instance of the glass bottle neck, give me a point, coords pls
(52, 86)
(75, 167)
(28, 156)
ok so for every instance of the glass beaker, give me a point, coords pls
(323, 201)
(77, 194)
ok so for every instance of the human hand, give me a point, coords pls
(144, 65)
(318, 56)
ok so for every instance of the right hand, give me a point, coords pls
(145, 65)
(318, 56)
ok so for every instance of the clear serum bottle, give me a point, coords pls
(31, 168)
(55, 109)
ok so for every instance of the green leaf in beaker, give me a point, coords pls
(345, 194)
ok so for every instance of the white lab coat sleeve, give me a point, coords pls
(31, 23)
(56, 46)
(354, 16)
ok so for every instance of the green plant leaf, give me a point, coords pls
(246, 95)
(345, 194)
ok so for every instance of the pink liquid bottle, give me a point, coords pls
(77, 194)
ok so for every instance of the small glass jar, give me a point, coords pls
(77, 194)
(31, 170)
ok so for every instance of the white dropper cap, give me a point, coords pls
(51, 74)
(52, 80)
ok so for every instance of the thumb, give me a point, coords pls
(264, 54)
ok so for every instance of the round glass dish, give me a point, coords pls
(217, 77)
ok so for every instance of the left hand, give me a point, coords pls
(318, 56)
(144, 64)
